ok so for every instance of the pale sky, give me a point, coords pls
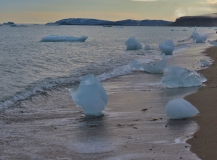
(43, 11)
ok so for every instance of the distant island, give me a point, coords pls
(209, 20)
(128, 22)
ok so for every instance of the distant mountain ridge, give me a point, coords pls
(128, 22)
(209, 20)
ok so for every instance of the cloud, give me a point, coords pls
(145, 0)
(212, 4)
(179, 12)
(212, 1)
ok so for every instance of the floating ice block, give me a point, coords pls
(133, 44)
(90, 95)
(155, 67)
(204, 63)
(167, 47)
(180, 108)
(175, 77)
(54, 38)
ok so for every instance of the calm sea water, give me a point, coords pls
(29, 67)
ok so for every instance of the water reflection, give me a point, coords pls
(92, 136)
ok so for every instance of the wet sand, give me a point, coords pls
(204, 143)
(134, 126)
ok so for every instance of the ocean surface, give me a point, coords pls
(30, 67)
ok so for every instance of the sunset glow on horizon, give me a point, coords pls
(37, 11)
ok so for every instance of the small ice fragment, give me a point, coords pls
(133, 44)
(54, 38)
(147, 47)
(175, 77)
(167, 47)
(172, 29)
(214, 43)
(90, 95)
(180, 108)
(204, 63)
(134, 65)
(155, 67)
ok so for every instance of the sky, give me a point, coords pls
(43, 11)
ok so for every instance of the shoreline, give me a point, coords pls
(204, 140)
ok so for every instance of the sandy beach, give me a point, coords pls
(134, 126)
(204, 142)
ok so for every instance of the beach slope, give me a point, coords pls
(204, 141)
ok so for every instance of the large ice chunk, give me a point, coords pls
(204, 63)
(155, 67)
(133, 44)
(180, 108)
(167, 47)
(175, 77)
(197, 37)
(90, 95)
(54, 38)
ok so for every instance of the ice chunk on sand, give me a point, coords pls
(214, 43)
(175, 77)
(133, 44)
(204, 63)
(180, 108)
(167, 47)
(155, 67)
(197, 37)
(90, 95)
(147, 47)
(54, 38)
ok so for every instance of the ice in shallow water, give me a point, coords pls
(175, 77)
(90, 95)
(180, 108)
(54, 38)
(167, 47)
(204, 63)
(198, 38)
(155, 67)
(133, 44)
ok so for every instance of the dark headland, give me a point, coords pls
(209, 20)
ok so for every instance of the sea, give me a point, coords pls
(30, 67)
(31, 70)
